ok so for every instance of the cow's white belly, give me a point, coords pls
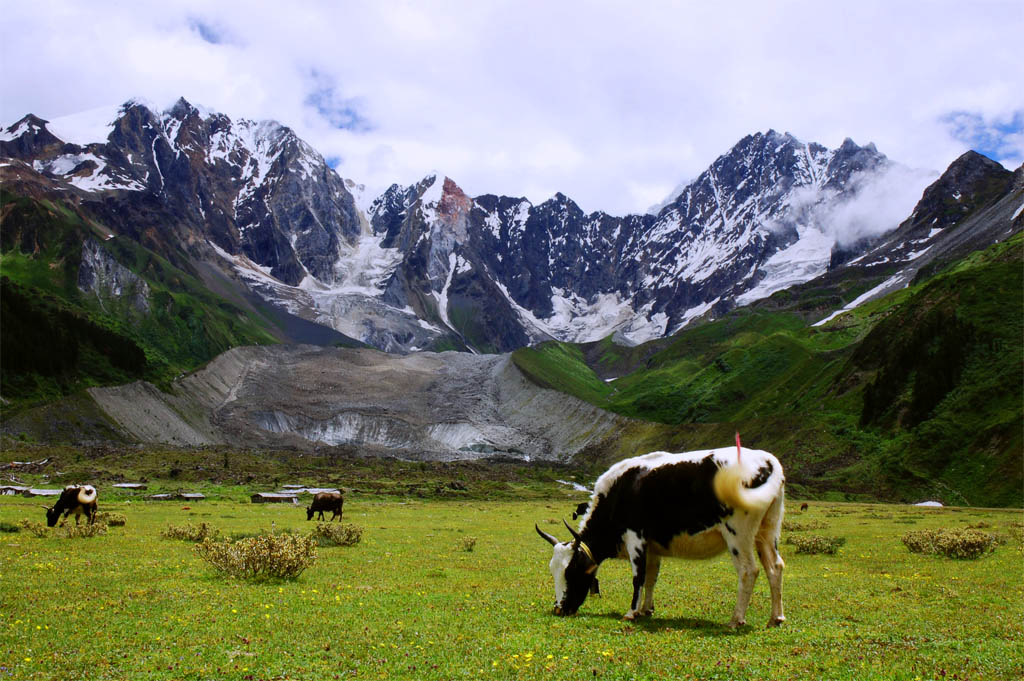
(702, 545)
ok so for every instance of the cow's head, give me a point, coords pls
(52, 515)
(309, 512)
(574, 571)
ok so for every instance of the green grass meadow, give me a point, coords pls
(410, 602)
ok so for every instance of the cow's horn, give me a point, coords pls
(574, 533)
(551, 540)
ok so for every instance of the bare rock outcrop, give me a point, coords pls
(422, 406)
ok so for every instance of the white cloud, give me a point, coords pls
(608, 104)
(879, 204)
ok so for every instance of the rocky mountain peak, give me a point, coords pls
(27, 138)
(970, 181)
(182, 109)
(454, 203)
(966, 178)
(28, 123)
(969, 167)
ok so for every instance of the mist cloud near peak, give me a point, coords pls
(875, 203)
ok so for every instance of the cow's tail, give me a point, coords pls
(740, 487)
(86, 494)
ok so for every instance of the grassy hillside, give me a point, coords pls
(914, 395)
(58, 339)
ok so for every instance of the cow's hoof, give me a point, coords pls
(736, 624)
(630, 616)
(776, 621)
(646, 612)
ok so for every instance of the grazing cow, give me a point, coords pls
(74, 499)
(326, 501)
(804, 506)
(692, 505)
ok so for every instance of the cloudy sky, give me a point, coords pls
(612, 103)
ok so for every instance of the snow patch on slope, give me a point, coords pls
(899, 280)
(802, 261)
(442, 297)
(86, 127)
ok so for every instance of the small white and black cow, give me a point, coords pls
(326, 501)
(692, 505)
(74, 499)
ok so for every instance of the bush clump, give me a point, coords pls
(67, 531)
(815, 543)
(262, 558)
(341, 534)
(467, 543)
(968, 543)
(84, 530)
(190, 532)
(37, 529)
(9, 527)
(790, 526)
(111, 519)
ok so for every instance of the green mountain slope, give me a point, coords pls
(58, 338)
(914, 395)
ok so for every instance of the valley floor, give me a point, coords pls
(410, 601)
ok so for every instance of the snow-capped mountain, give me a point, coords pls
(748, 226)
(254, 189)
(428, 266)
(201, 188)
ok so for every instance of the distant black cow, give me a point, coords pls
(326, 501)
(74, 499)
(692, 505)
(581, 510)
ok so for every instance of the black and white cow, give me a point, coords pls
(326, 501)
(692, 505)
(74, 499)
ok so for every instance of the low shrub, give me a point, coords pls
(467, 543)
(111, 519)
(814, 543)
(968, 543)
(791, 526)
(262, 558)
(67, 531)
(341, 534)
(84, 530)
(190, 532)
(37, 529)
(9, 527)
